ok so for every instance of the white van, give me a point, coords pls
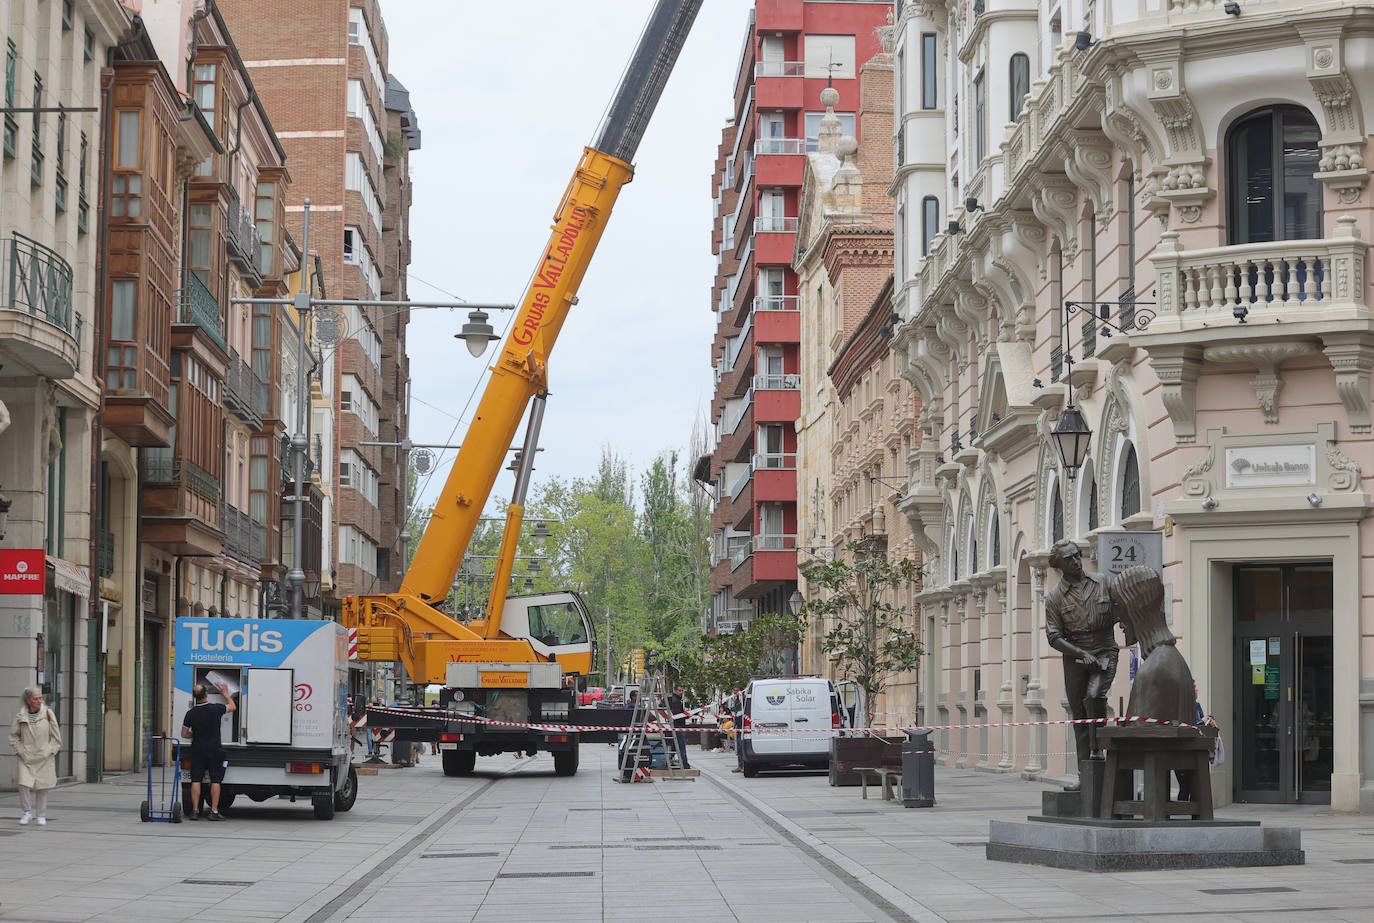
(804, 714)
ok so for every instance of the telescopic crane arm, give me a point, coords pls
(519, 374)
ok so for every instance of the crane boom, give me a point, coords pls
(406, 625)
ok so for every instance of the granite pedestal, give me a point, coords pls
(1096, 845)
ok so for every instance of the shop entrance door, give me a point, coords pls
(1283, 685)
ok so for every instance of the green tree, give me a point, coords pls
(869, 635)
(723, 662)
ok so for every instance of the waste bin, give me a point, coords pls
(918, 771)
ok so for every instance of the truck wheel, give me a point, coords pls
(459, 762)
(750, 771)
(565, 762)
(345, 796)
(324, 805)
(226, 799)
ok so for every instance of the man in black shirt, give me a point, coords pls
(201, 725)
(676, 706)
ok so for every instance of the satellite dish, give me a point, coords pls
(423, 460)
(328, 327)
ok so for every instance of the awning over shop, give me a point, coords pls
(70, 578)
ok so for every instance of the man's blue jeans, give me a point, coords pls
(682, 747)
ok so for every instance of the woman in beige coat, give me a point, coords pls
(36, 738)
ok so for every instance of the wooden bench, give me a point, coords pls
(888, 771)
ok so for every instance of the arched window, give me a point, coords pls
(1093, 519)
(1271, 155)
(930, 222)
(1056, 515)
(994, 537)
(1130, 483)
(972, 544)
(1020, 83)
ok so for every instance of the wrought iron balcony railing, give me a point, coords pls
(39, 282)
(199, 307)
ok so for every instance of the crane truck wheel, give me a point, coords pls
(565, 762)
(459, 762)
(345, 796)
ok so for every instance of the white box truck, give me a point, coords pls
(289, 737)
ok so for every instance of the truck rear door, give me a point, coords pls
(771, 712)
(268, 705)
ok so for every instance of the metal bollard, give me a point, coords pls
(918, 771)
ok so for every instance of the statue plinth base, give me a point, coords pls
(1104, 827)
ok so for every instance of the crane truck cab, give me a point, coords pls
(556, 625)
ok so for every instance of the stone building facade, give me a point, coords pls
(1159, 214)
(857, 415)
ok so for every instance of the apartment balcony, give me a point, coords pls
(39, 331)
(774, 239)
(777, 399)
(776, 319)
(199, 308)
(244, 392)
(778, 84)
(736, 508)
(1259, 305)
(764, 564)
(181, 505)
(775, 478)
(244, 540)
(779, 161)
(735, 433)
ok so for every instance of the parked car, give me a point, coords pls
(805, 714)
(591, 695)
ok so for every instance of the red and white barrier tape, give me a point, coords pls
(436, 715)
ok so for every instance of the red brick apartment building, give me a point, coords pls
(792, 50)
(321, 67)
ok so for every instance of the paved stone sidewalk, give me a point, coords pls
(934, 857)
(518, 843)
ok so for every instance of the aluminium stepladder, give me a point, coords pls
(650, 724)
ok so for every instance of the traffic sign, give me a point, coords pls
(1118, 550)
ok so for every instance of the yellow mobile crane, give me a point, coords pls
(510, 666)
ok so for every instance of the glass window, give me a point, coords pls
(829, 56)
(199, 238)
(554, 624)
(123, 305)
(204, 83)
(1056, 515)
(1130, 483)
(1272, 195)
(813, 126)
(126, 154)
(980, 119)
(930, 222)
(930, 64)
(1020, 83)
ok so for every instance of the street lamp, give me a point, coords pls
(1071, 435)
(477, 333)
(796, 601)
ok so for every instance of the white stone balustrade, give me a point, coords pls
(1282, 281)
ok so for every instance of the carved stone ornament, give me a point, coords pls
(1345, 471)
(1342, 164)
(1266, 358)
(1196, 483)
(1352, 359)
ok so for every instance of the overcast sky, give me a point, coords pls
(506, 96)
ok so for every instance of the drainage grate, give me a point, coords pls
(678, 846)
(1246, 890)
(1354, 861)
(222, 884)
(591, 846)
(600, 809)
(546, 875)
(838, 813)
(971, 843)
(459, 855)
(662, 839)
